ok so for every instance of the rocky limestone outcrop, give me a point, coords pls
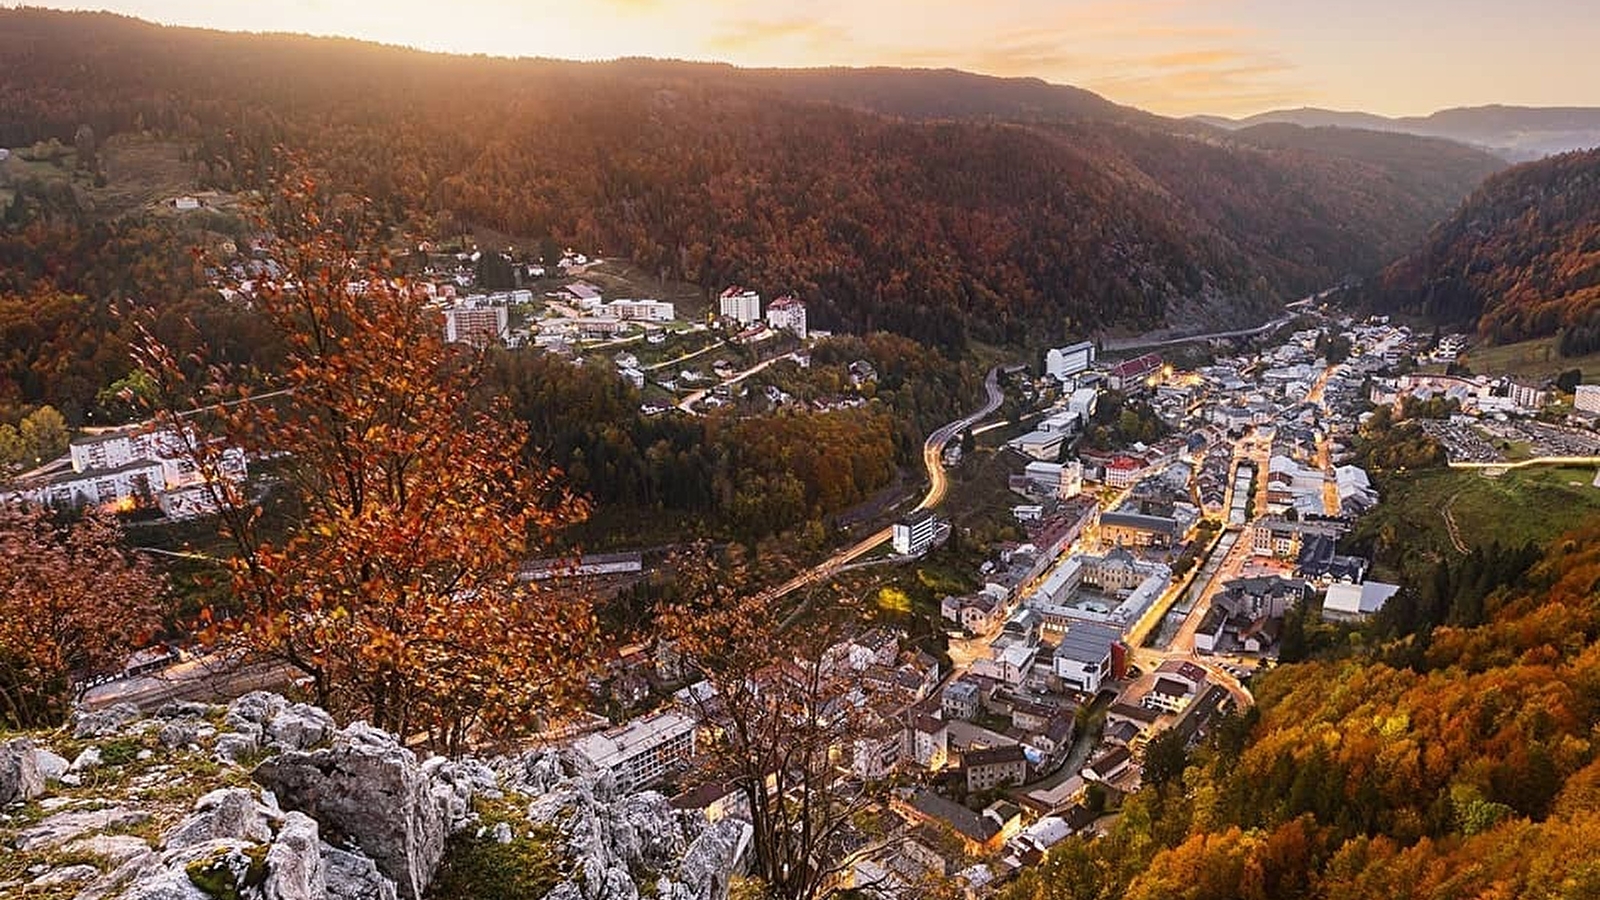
(370, 792)
(106, 722)
(611, 837)
(324, 814)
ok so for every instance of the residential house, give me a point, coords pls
(876, 751)
(1169, 695)
(1121, 717)
(1123, 471)
(995, 767)
(975, 612)
(980, 834)
(930, 741)
(1110, 766)
(1184, 671)
(875, 646)
(959, 700)
(1030, 715)
(1283, 538)
(716, 800)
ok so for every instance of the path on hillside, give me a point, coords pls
(688, 403)
(687, 356)
(1450, 523)
(1527, 463)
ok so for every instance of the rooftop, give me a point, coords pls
(995, 756)
(1087, 642)
(608, 748)
(1170, 688)
(965, 822)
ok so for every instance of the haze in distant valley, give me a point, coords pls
(1174, 57)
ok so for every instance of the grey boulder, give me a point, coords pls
(235, 746)
(51, 765)
(228, 813)
(65, 826)
(368, 791)
(20, 778)
(105, 722)
(351, 876)
(294, 862)
(89, 759)
(299, 727)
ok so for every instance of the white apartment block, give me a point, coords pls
(1586, 399)
(130, 467)
(479, 326)
(740, 305)
(638, 753)
(913, 535)
(642, 310)
(787, 313)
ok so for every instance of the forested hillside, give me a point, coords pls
(1520, 259)
(732, 476)
(1456, 760)
(940, 230)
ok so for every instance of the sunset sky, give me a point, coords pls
(1170, 56)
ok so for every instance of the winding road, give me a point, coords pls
(209, 677)
(938, 486)
(688, 403)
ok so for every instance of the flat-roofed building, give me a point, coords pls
(1062, 363)
(913, 535)
(1083, 659)
(643, 750)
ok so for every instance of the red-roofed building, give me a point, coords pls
(1123, 471)
(787, 312)
(1133, 371)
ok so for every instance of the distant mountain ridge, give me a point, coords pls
(1517, 133)
(939, 205)
(914, 93)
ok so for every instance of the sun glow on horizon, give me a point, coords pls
(1176, 57)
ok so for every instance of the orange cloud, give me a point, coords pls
(747, 35)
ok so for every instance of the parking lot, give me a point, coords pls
(1488, 440)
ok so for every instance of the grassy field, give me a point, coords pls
(1410, 529)
(1535, 359)
(141, 174)
(979, 497)
(619, 279)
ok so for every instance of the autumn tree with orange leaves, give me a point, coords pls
(73, 601)
(395, 596)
